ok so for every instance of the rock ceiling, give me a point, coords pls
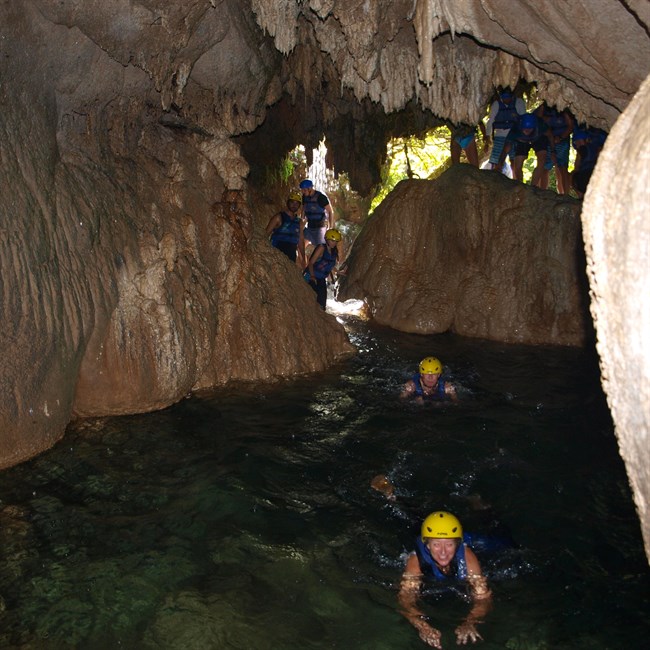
(358, 71)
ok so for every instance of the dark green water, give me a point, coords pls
(244, 518)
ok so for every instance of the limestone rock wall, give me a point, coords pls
(132, 271)
(617, 236)
(477, 254)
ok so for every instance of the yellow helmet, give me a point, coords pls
(430, 366)
(441, 525)
(333, 234)
(295, 196)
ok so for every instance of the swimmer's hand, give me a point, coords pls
(428, 634)
(467, 632)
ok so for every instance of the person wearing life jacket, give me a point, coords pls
(504, 113)
(588, 143)
(285, 230)
(442, 554)
(317, 210)
(428, 383)
(527, 134)
(322, 262)
(558, 127)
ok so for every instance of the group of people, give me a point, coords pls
(513, 132)
(308, 219)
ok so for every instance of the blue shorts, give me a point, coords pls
(315, 235)
(561, 155)
(498, 143)
(465, 141)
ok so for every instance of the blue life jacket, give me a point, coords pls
(314, 209)
(429, 567)
(287, 231)
(507, 116)
(438, 393)
(326, 263)
(555, 120)
(588, 155)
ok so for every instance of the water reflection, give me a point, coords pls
(246, 520)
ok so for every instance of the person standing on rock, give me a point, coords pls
(558, 126)
(588, 143)
(285, 230)
(428, 383)
(317, 210)
(322, 263)
(463, 138)
(504, 114)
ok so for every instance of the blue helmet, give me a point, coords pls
(580, 134)
(506, 94)
(306, 184)
(528, 121)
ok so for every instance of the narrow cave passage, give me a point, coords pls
(251, 522)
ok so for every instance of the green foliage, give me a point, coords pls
(283, 173)
(413, 157)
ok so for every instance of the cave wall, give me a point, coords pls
(130, 243)
(617, 238)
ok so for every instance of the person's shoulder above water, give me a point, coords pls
(428, 383)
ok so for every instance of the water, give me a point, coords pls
(244, 518)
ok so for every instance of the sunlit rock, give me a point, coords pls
(476, 254)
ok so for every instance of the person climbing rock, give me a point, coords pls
(527, 135)
(317, 209)
(443, 554)
(428, 383)
(285, 230)
(322, 263)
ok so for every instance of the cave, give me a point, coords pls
(136, 136)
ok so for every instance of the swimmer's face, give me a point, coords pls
(442, 550)
(430, 380)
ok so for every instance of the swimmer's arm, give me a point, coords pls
(481, 601)
(450, 391)
(408, 595)
(408, 390)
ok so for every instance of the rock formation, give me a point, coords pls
(126, 126)
(617, 236)
(477, 254)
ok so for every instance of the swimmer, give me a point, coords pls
(428, 383)
(443, 555)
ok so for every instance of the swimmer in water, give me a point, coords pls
(442, 554)
(428, 383)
